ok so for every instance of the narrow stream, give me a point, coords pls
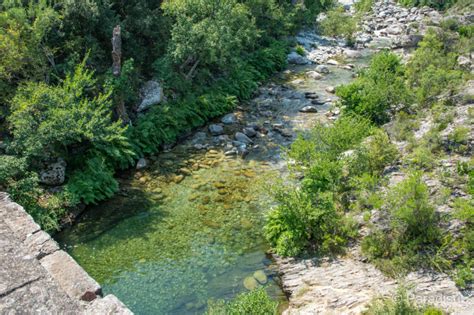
(189, 227)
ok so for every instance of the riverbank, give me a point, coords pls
(345, 285)
(39, 277)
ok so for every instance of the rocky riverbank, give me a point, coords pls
(345, 285)
(38, 277)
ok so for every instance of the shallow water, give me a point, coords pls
(189, 228)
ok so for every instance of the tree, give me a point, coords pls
(208, 33)
(48, 121)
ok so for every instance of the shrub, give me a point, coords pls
(49, 121)
(377, 89)
(338, 23)
(412, 232)
(300, 50)
(300, 221)
(400, 305)
(256, 302)
(363, 6)
(433, 68)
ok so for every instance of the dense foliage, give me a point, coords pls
(60, 99)
(255, 302)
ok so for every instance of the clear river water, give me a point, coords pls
(189, 227)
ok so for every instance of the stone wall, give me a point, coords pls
(36, 276)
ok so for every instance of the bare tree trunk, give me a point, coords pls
(191, 72)
(120, 110)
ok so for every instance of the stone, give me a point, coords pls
(55, 173)
(151, 93)
(141, 164)
(311, 95)
(260, 276)
(71, 277)
(241, 137)
(216, 129)
(250, 283)
(332, 62)
(229, 119)
(309, 109)
(107, 305)
(349, 53)
(331, 89)
(314, 75)
(464, 62)
(395, 29)
(296, 59)
(322, 69)
(250, 132)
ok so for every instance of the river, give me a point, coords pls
(188, 228)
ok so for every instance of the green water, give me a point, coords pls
(168, 244)
(189, 228)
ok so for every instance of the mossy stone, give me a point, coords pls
(250, 283)
(260, 276)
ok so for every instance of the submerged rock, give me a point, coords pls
(296, 59)
(260, 276)
(250, 283)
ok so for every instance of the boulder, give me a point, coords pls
(216, 129)
(322, 69)
(141, 164)
(250, 283)
(260, 276)
(331, 89)
(314, 75)
(332, 62)
(54, 174)
(151, 93)
(296, 59)
(229, 119)
(241, 137)
(394, 29)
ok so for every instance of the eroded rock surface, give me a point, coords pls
(36, 277)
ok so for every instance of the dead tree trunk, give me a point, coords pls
(120, 110)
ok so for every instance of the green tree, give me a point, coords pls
(377, 90)
(208, 33)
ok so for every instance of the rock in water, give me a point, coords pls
(241, 137)
(250, 132)
(322, 69)
(216, 129)
(152, 93)
(296, 59)
(229, 119)
(260, 276)
(55, 173)
(314, 75)
(331, 89)
(309, 109)
(250, 283)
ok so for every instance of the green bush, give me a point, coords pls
(400, 305)
(302, 222)
(433, 68)
(255, 302)
(377, 90)
(338, 23)
(436, 4)
(412, 228)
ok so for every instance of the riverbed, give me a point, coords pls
(189, 227)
